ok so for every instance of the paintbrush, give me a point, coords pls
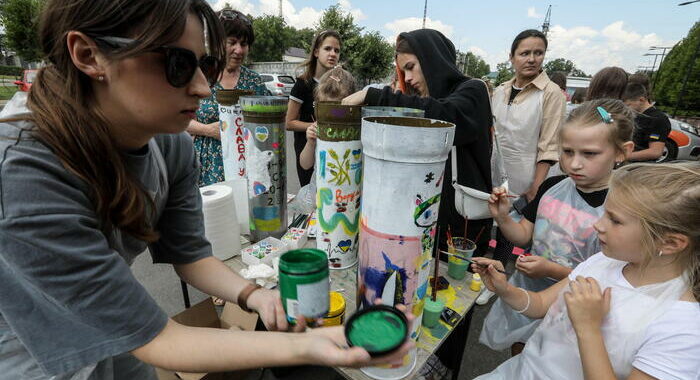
(483, 228)
(436, 272)
(470, 260)
(466, 223)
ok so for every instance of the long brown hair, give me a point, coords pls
(64, 111)
(403, 47)
(609, 82)
(309, 66)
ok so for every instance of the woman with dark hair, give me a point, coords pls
(325, 54)
(609, 82)
(528, 111)
(100, 169)
(206, 131)
(429, 80)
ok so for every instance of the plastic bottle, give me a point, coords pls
(475, 285)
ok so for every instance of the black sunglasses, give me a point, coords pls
(231, 15)
(180, 63)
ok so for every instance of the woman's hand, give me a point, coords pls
(533, 266)
(499, 205)
(355, 99)
(586, 305)
(311, 132)
(327, 346)
(268, 304)
(494, 280)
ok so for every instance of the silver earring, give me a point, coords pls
(101, 78)
(661, 253)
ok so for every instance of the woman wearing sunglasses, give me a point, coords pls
(206, 132)
(101, 169)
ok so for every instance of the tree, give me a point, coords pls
(673, 70)
(561, 64)
(505, 72)
(372, 58)
(20, 19)
(302, 38)
(272, 38)
(472, 65)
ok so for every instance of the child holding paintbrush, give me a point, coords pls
(559, 220)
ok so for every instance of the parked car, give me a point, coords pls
(683, 142)
(278, 84)
(27, 78)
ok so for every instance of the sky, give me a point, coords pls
(591, 33)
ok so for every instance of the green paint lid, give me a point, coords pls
(379, 329)
(303, 261)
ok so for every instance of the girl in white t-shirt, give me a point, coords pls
(630, 311)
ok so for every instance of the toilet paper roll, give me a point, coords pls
(221, 226)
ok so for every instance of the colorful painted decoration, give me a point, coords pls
(266, 165)
(399, 213)
(338, 177)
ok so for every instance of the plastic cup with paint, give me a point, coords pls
(457, 268)
(379, 329)
(432, 311)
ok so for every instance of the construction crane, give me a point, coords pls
(280, 9)
(425, 12)
(547, 18)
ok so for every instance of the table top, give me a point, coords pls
(457, 297)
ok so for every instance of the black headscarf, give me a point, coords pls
(437, 57)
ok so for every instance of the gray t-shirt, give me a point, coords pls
(66, 290)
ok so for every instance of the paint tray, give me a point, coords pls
(263, 251)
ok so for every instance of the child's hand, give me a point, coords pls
(586, 304)
(311, 132)
(533, 266)
(499, 205)
(494, 280)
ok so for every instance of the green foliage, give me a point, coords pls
(505, 72)
(20, 19)
(372, 59)
(367, 56)
(472, 65)
(561, 64)
(673, 71)
(272, 38)
(15, 71)
(302, 38)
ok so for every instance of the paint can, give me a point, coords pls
(338, 182)
(404, 164)
(233, 132)
(336, 311)
(379, 329)
(391, 111)
(266, 165)
(303, 283)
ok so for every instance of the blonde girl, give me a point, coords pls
(333, 87)
(630, 311)
(559, 220)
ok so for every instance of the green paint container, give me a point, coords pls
(379, 329)
(432, 311)
(304, 284)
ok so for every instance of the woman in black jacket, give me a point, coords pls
(428, 79)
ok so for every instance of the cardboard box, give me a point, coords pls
(204, 314)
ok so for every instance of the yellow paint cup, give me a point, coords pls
(336, 311)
